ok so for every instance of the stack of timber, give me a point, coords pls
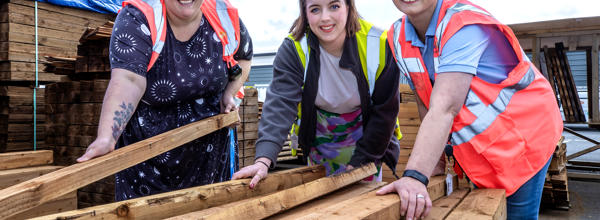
(302, 193)
(59, 31)
(247, 131)
(93, 53)
(556, 188)
(555, 66)
(73, 115)
(17, 167)
(409, 119)
(17, 116)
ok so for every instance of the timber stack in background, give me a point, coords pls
(59, 31)
(556, 187)
(247, 131)
(74, 107)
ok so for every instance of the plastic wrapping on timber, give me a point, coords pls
(102, 6)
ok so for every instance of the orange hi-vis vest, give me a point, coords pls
(506, 132)
(221, 15)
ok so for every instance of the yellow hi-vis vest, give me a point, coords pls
(371, 43)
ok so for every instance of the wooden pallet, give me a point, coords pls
(556, 187)
(247, 131)
(561, 79)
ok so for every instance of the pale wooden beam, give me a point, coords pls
(24, 196)
(262, 207)
(25, 159)
(322, 203)
(372, 206)
(15, 176)
(481, 204)
(179, 202)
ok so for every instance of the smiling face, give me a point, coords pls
(415, 9)
(183, 10)
(327, 20)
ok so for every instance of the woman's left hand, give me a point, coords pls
(228, 105)
(414, 199)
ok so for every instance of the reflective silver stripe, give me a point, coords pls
(436, 64)
(458, 7)
(159, 23)
(372, 56)
(487, 114)
(414, 65)
(304, 46)
(227, 26)
(398, 50)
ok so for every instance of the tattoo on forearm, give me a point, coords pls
(121, 118)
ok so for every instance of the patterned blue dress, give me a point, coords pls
(184, 85)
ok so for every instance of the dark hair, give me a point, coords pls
(298, 29)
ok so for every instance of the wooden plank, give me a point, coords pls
(442, 207)
(25, 159)
(24, 196)
(535, 51)
(64, 203)
(262, 207)
(582, 152)
(179, 202)
(15, 176)
(324, 202)
(481, 204)
(372, 206)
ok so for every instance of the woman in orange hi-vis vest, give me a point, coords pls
(478, 92)
(173, 62)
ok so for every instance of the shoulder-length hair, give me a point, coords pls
(299, 27)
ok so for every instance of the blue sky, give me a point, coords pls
(268, 21)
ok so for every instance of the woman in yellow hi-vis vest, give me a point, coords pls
(173, 63)
(335, 81)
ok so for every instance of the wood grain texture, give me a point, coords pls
(443, 206)
(372, 206)
(25, 159)
(179, 202)
(481, 204)
(24, 196)
(327, 201)
(262, 207)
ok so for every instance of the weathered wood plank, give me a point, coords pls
(24, 196)
(64, 203)
(179, 202)
(16, 176)
(481, 204)
(372, 206)
(262, 207)
(327, 201)
(443, 206)
(25, 159)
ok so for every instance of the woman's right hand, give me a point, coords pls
(99, 147)
(257, 171)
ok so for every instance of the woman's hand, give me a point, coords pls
(414, 199)
(228, 105)
(257, 171)
(99, 147)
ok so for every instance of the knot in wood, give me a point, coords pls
(123, 210)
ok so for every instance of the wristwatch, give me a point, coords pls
(416, 175)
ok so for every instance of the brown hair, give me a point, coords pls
(299, 27)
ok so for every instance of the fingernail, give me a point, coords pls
(408, 218)
(251, 186)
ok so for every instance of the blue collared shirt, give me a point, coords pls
(481, 50)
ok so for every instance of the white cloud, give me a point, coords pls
(268, 21)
